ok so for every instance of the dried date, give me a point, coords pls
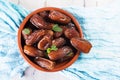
(71, 32)
(46, 41)
(58, 42)
(35, 36)
(31, 51)
(59, 17)
(60, 53)
(81, 44)
(45, 63)
(38, 21)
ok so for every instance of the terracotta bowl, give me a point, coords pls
(60, 66)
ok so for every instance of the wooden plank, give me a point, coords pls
(90, 3)
(35, 4)
(32, 4)
(96, 3)
(64, 3)
(104, 2)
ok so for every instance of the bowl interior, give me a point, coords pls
(59, 66)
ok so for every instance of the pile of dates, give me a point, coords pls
(50, 37)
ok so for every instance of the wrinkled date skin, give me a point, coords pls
(59, 34)
(35, 36)
(81, 44)
(46, 41)
(31, 51)
(63, 28)
(49, 33)
(43, 14)
(67, 57)
(59, 17)
(71, 32)
(50, 26)
(58, 42)
(45, 63)
(38, 21)
(60, 53)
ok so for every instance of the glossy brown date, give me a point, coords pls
(71, 32)
(49, 33)
(63, 28)
(50, 26)
(60, 53)
(58, 42)
(67, 57)
(31, 51)
(38, 21)
(46, 41)
(58, 34)
(81, 44)
(43, 14)
(45, 63)
(59, 17)
(35, 36)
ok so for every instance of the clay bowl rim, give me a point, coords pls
(20, 45)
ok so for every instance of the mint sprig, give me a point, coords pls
(26, 31)
(56, 28)
(48, 50)
(52, 48)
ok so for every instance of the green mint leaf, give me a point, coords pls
(48, 50)
(26, 31)
(56, 28)
(53, 47)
